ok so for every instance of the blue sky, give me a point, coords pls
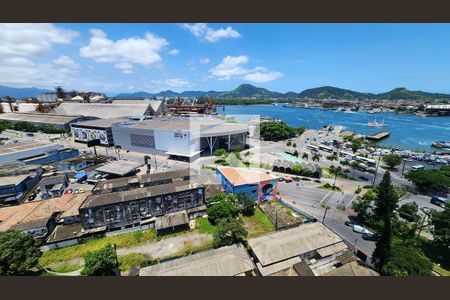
(116, 58)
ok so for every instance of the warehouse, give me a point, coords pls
(258, 185)
(180, 138)
(26, 150)
(83, 132)
(105, 110)
(39, 119)
(132, 207)
(281, 250)
(226, 261)
(146, 180)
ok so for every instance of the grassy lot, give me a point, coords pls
(122, 241)
(258, 224)
(130, 260)
(203, 225)
(66, 268)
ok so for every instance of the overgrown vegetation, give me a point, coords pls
(102, 262)
(121, 240)
(29, 127)
(431, 181)
(276, 131)
(19, 252)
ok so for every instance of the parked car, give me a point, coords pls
(371, 170)
(76, 191)
(32, 197)
(69, 191)
(363, 178)
(81, 190)
(349, 223)
(281, 179)
(360, 229)
(288, 180)
(370, 237)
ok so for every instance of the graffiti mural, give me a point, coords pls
(267, 190)
(85, 134)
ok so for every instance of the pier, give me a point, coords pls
(378, 136)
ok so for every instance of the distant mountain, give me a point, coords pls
(21, 92)
(250, 91)
(404, 93)
(326, 92)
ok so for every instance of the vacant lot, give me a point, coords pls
(281, 215)
(258, 224)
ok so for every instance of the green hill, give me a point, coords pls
(326, 92)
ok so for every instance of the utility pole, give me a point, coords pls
(376, 171)
(324, 214)
(117, 261)
(276, 220)
(403, 169)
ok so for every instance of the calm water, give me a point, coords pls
(407, 131)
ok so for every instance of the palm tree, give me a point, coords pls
(305, 156)
(336, 171)
(316, 157)
(289, 144)
(354, 165)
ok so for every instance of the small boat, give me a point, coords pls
(374, 123)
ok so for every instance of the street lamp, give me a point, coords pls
(376, 171)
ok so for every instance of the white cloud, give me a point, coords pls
(204, 61)
(172, 83)
(174, 52)
(66, 61)
(203, 31)
(124, 52)
(32, 39)
(20, 71)
(232, 67)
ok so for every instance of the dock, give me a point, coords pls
(378, 136)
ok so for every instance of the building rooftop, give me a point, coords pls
(103, 110)
(172, 220)
(122, 182)
(352, 269)
(65, 232)
(101, 123)
(119, 167)
(239, 176)
(226, 261)
(18, 147)
(44, 118)
(38, 210)
(207, 126)
(53, 179)
(12, 180)
(282, 245)
(16, 168)
(139, 193)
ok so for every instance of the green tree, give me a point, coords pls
(305, 156)
(407, 261)
(222, 210)
(102, 262)
(408, 211)
(357, 144)
(19, 252)
(222, 153)
(441, 227)
(354, 165)
(392, 160)
(361, 206)
(247, 204)
(229, 232)
(289, 144)
(385, 205)
(431, 181)
(216, 198)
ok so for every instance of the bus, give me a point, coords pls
(325, 148)
(369, 162)
(417, 167)
(347, 154)
(313, 148)
(439, 201)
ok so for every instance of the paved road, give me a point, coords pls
(307, 198)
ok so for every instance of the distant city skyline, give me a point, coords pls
(114, 58)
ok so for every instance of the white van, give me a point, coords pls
(417, 167)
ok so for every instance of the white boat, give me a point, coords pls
(374, 123)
